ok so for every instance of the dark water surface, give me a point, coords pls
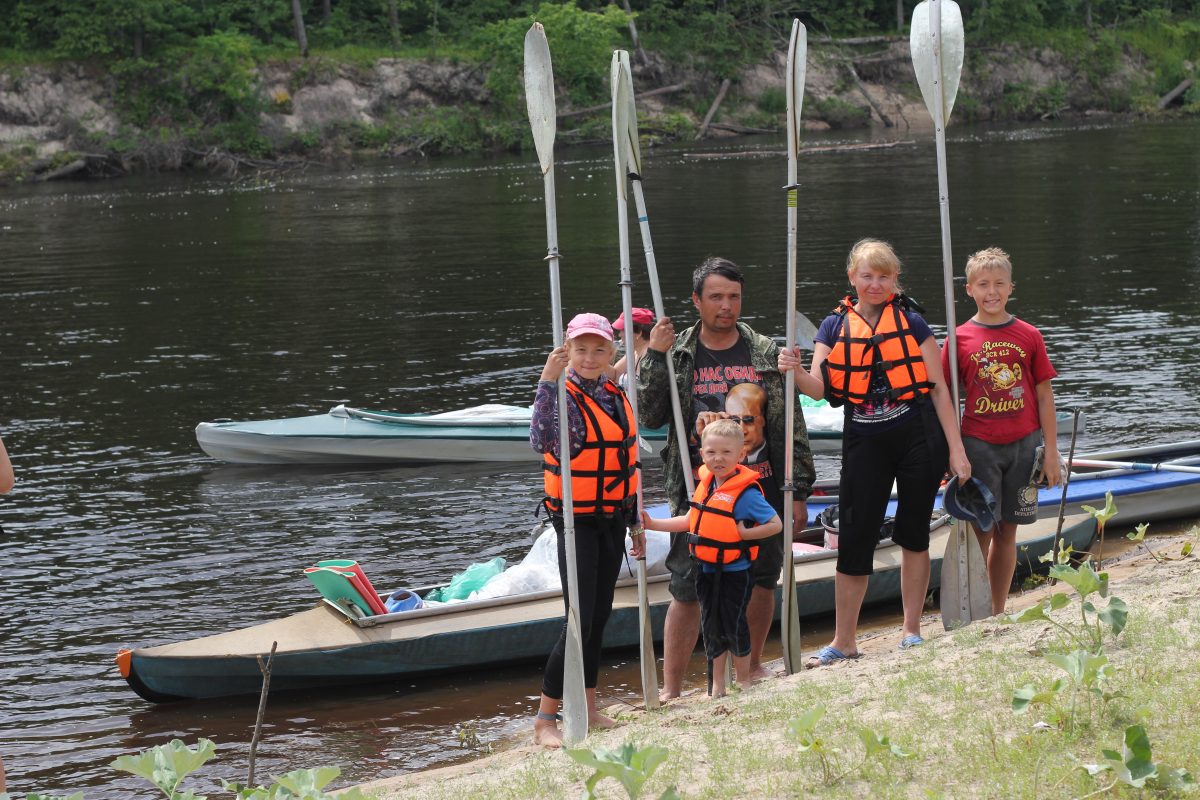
(130, 311)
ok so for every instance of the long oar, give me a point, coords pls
(1062, 502)
(633, 162)
(1135, 466)
(539, 98)
(621, 100)
(789, 611)
(936, 41)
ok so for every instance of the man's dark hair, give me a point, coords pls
(715, 265)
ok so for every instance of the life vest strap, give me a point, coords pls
(705, 509)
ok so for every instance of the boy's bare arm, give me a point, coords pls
(760, 531)
(1047, 416)
(669, 524)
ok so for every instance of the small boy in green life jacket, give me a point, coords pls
(1005, 375)
(728, 511)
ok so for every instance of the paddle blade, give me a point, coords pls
(805, 331)
(633, 150)
(923, 43)
(620, 109)
(649, 663)
(966, 594)
(797, 64)
(539, 94)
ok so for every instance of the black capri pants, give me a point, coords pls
(599, 552)
(914, 455)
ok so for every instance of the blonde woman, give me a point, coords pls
(876, 356)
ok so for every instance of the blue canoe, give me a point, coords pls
(322, 647)
(1140, 495)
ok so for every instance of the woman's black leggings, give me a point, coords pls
(599, 550)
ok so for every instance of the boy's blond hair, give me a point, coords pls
(875, 254)
(988, 258)
(729, 428)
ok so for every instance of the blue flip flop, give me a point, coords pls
(911, 641)
(827, 655)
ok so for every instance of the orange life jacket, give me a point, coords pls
(714, 536)
(605, 473)
(847, 369)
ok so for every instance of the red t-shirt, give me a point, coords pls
(999, 368)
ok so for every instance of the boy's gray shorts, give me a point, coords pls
(1006, 469)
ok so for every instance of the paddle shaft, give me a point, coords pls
(1136, 466)
(1062, 503)
(939, 130)
(790, 613)
(681, 432)
(539, 82)
(621, 83)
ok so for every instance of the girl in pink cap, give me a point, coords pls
(603, 455)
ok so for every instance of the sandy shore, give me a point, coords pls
(695, 724)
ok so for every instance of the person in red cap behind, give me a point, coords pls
(638, 337)
(602, 432)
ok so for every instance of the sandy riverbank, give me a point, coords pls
(739, 746)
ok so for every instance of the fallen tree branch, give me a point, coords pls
(1170, 96)
(887, 122)
(607, 106)
(735, 128)
(830, 148)
(712, 110)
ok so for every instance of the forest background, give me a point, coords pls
(92, 87)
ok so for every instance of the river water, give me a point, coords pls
(131, 310)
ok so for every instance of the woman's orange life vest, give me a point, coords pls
(714, 536)
(859, 347)
(605, 473)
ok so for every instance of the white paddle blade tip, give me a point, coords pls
(797, 67)
(539, 94)
(924, 46)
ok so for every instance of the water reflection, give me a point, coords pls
(132, 311)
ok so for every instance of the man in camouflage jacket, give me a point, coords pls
(714, 278)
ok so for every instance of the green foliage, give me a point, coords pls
(773, 100)
(1134, 766)
(303, 784)
(840, 114)
(167, 765)
(581, 45)
(1025, 101)
(833, 768)
(629, 765)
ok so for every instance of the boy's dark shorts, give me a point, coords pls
(728, 629)
(764, 571)
(1006, 470)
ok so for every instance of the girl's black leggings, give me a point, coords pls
(599, 549)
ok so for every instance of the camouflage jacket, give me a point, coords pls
(654, 408)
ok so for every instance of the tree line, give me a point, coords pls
(707, 29)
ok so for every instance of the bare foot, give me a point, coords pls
(665, 696)
(598, 720)
(547, 734)
(761, 673)
(717, 691)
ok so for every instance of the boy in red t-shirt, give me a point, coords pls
(1005, 374)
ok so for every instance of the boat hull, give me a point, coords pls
(1140, 496)
(321, 648)
(341, 438)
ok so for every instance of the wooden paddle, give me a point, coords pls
(937, 44)
(622, 100)
(789, 611)
(539, 99)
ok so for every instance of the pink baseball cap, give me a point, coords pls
(641, 316)
(589, 323)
